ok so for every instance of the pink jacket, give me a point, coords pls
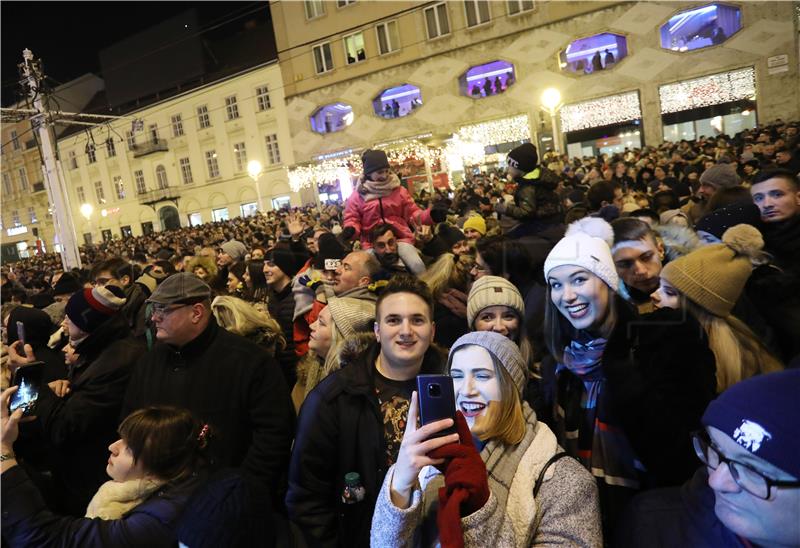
(396, 209)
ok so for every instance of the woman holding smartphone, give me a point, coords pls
(503, 481)
(154, 468)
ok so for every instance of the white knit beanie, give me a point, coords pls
(587, 244)
(493, 291)
(501, 347)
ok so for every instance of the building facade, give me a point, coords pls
(26, 215)
(360, 74)
(183, 161)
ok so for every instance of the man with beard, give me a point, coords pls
(384, 243)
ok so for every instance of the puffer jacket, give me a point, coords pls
(340, 430)
(397, 209)
(564, 512)
(536, 198)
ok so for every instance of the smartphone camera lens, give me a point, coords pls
(434, 390)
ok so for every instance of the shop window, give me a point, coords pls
(195, 219)
(126, 232)
(398, 101)
(331, 118)
(281, 202)
(594, 53)
(220, 214)
(147, 228)
(249, 209)
(486, 80)
(700, 27)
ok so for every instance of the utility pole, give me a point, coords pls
(31, 72)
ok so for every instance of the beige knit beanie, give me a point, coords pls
(493, 291)
(714, 276)
(504, 349)
(351, 316)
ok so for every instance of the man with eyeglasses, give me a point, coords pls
(748, 492)
(224, 379)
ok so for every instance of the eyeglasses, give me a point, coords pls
(745, 475)
(161, 310)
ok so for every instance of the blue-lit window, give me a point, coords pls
(397, 102)
(594, 53)
(700, 27)
(487, 80)
(331, 118)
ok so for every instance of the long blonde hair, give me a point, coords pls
(240, 317)
(738, 352)
(448, 272)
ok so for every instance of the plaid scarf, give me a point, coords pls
(582, 426)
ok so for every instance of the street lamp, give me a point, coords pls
(254, 170)
(87, 210)
(551, 101)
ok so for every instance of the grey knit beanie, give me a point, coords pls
(351, 316)
(504, 349)
(721, 176)
(493, 291)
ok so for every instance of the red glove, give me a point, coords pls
(466, 483)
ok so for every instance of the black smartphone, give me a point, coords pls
(437, 401)
(21, 337)
(29, 380)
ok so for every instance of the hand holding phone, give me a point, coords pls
(437, 401)
(28, 380)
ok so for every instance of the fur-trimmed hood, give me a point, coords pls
(678, 240)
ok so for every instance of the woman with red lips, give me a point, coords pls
(154, 467)
(626, 390)
(503, 481)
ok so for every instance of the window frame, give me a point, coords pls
(177, 125)
(475, 4)
(519, 4)
(99, 192)
(186, 170)
(341, 4)
(15, 143)
(212, 165)
(111, 148)
(322, 45)
(23, 178)
(318, 4)
(119, 187)
(385, 25)
(435, 9)
(231, 107)
(80, 194)
(263, 98)
(162, 181)
(203, 117)
(139, 181)
(91, 153)
(274, 156)
(8, 184)
(240, 156)
(130, 139)
(73, 160)
(32, 215)
(344, 45)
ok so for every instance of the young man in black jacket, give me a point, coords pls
(353, 422)
(223, 379)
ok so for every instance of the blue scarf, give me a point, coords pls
(584, 360)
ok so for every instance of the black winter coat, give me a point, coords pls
(536, 203)
(340, 430)
(81, 425)
(28, 522)
(281, 307)
(234, 386)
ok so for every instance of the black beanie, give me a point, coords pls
(330, 249)
(444, 241)
(374, 160)
(717, 222)
(67, 284)
(287, 260)
(524, 157)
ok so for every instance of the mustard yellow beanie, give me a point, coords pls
(714, 276)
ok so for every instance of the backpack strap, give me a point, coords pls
(540, 479)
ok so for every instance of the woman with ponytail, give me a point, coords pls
(154, 467)
(707, 283)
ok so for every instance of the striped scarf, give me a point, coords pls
(582, 427)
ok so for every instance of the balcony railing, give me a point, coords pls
(153, 197)
(151, 146)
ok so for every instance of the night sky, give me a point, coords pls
(67, 36)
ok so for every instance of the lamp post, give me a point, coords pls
(254, 169)
(551, 101)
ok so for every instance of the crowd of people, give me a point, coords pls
(622, 333)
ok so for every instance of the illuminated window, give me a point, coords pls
(354, 48)
(594, 53)
(331, 118)
(398, 101)
(700, 27)
(485, 80)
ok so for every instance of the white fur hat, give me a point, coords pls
(587, 244)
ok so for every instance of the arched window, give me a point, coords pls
(486, 80)
(594, 53)
(331, 118)
(700, 27)
(397, 102)
(161, 177)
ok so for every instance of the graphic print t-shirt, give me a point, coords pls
(394, 397)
